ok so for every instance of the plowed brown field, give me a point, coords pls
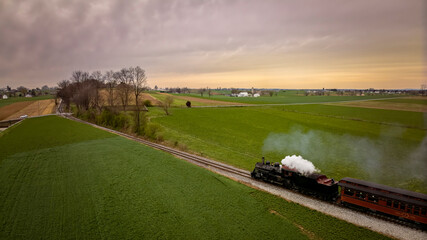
(32, 108)
(11, 109)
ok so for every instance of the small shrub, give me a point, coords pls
(152, 130)
(147, 103)
(182, 147)
(143, 121)
(160, 138)
(118, 121)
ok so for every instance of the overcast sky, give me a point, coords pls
(259, 43)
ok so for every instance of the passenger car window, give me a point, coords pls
(416, 210)
(395, 204)
(360, 195)
(348, 192)
(372, 198)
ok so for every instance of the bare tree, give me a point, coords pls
(124, 89)
(84, 96)
(166, 104)
(23, 90)
(78, 77)
(97, 75)
(64, 92)
(97, 83)
(110, 83)
(138, 80)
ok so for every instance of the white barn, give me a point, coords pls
(243, 94)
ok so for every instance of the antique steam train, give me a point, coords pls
(350, 192)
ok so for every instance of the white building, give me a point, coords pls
(256, 95)
(5, 96)
(243, 94)
(28, 95)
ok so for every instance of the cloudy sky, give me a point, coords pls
(218, 43)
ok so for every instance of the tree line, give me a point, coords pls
(83, 89)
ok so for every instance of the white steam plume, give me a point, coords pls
(301, 165)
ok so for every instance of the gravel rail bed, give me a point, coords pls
(373, 223)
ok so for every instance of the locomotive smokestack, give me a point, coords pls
(263, 160)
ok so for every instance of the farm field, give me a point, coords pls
(5, 102)
(157, 98)
(181, 100)
(13, 108)
(405, 118)
(416, 104)
(69, 180)
(384, 146)
(201, 101)
(30, 108)
(286, 98)
(36, 108)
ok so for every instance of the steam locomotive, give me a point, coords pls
(349, 192)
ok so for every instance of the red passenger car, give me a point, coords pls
(389, 200)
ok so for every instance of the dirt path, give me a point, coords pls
(32, 109)
(202, 100)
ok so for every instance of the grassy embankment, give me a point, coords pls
(384, 146)
(61, 179)
(4, 102)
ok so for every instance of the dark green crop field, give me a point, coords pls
(4, 102)
(65, 180)
(383, 146)
(287, 98)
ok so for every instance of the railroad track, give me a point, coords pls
(183, 155)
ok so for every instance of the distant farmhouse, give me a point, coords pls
(5, 96)
(243, 94)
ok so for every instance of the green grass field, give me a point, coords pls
(403, 118)
(406, 100)
(287, 98)
(340, 141)
(4, 102)
(61, 179)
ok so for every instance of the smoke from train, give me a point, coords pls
(299, 164)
